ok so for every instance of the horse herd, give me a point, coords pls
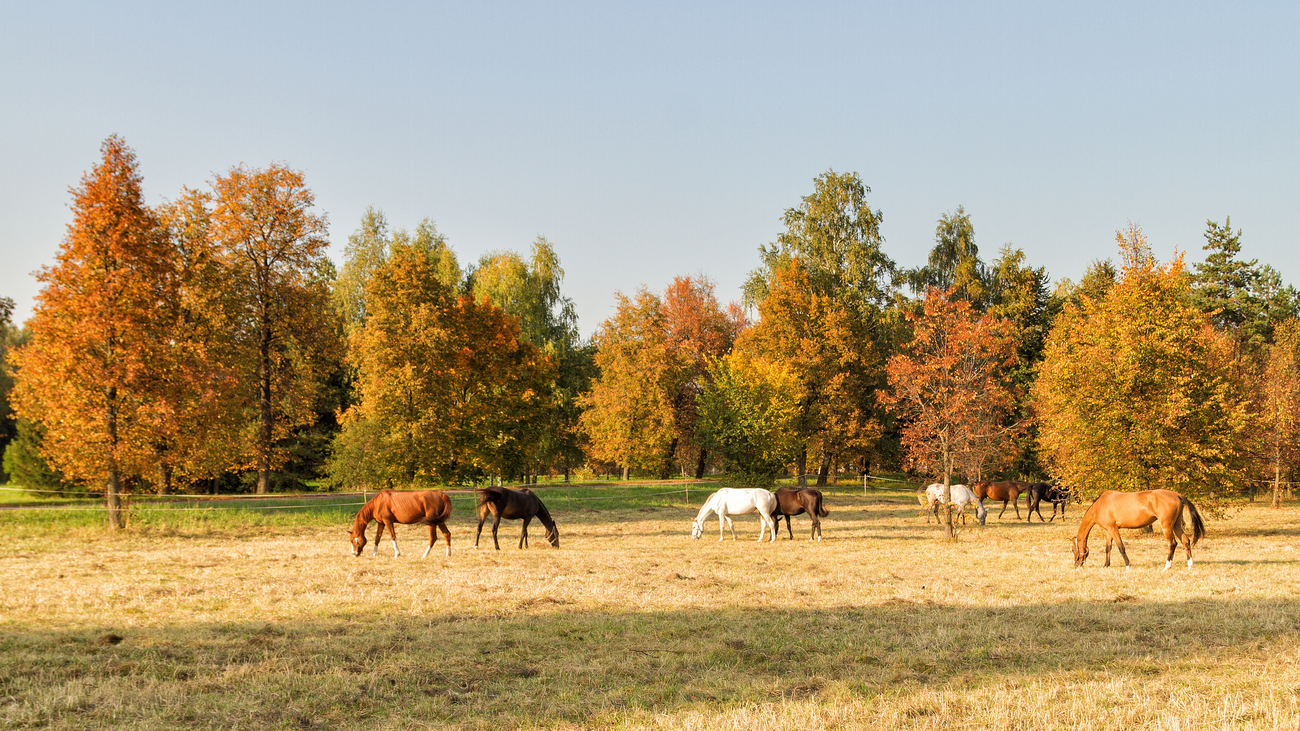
(1111, 511)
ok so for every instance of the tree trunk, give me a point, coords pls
(625, 473)
(666, 469)
(824, 469)
(112, 490)
(164, 479)
(803, 467)
(566, 474)
(267, 414)
(699, 466)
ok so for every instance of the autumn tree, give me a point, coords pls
(749, 412)
(284, 331)
(954, 262)
(96, 333)
(448, 390)
(949, 388)
(1137, 389)
(8, 422)
(628, 413)
(1278, 435)
(530, 290)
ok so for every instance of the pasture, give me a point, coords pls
(253, 621)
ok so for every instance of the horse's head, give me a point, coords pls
(358, 539)
(697, 529)
(553, 536)
(1080, 553)
(981, 512)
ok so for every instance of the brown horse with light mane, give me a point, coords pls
(420, 507)
(1114, 510)
(790, 502)
(1006, 491)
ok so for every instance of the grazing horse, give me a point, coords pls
(420, 507)
(523, 505)
(962, 498)
(1006, 491)
(791, 502)
(737, 501)
(1114, 510)
(1055, 494)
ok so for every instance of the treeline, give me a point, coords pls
(208, 344)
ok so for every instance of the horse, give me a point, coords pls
(737, 501)
(1055, 494)
(1006, 491)
(962, 498)
(1114, 510)
(791, 502)
(420, 507)
(523, 505)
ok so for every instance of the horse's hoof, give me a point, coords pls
(1189, 563)
(1167, 565)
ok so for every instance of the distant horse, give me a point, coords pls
(1114, 510)
(1006, 491)
(501, 502)
(790, 502)
(737, 501)
(1055, 494)
(962, 498)
(420, 507)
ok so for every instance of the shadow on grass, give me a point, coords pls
(543, 662)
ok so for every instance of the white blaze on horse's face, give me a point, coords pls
(697, 529)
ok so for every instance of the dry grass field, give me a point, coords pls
(630, 624)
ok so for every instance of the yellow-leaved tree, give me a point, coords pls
(1137, 390)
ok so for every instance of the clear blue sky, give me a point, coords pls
(654, 140)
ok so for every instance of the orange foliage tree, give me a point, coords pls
(284, 330)
(98, 333)
(949, 387)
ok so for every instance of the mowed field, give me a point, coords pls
(631, 624)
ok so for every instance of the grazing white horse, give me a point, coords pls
(737, 501)
(962, 498)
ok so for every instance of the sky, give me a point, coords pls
(652, 140)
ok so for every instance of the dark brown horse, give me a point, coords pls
(501, 502)
(420, 507)
(791, 502)
(1114, 510)
(1054, 494)
(1006, 491)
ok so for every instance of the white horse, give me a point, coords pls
(962, 498)
(737, 501)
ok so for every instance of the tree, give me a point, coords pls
(628, 416)
(1242, 297)
(954, 262)
(1279, 405)
(96, 333)
(8, 337)
(837, 236)
(749, 413)
(284, 334)
(1138, 390)
(447, 389)
(830, 351)
(950, 389)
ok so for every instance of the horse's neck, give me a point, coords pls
(365, 514)
(709, 506)
(1085, 527)
(544, 516)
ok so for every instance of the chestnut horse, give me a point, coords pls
(420, 507)
(790, 502)
(1006, 491)
(1114, 510)
(502, 502)
(1055, 494)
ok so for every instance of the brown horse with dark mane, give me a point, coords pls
(1054, 494)
(420, 507)
(501, 502)
(790, 502)
(1114, 510)
(1006, 491)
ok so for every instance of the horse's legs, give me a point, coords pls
(1004, 509)
(447, 535)
(523, 533)
(496, 522)
(379, 534)
(432, 538)
(788, 521)
(816, 534)
(1172, 534)
(1109, 543)
(1015, 500)
(1120, 543)
(392, 533)
(481, 519)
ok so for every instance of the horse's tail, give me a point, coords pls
(818, 508)
(490, 496)
(1198, 525)
(920, 496)
(446, 509)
